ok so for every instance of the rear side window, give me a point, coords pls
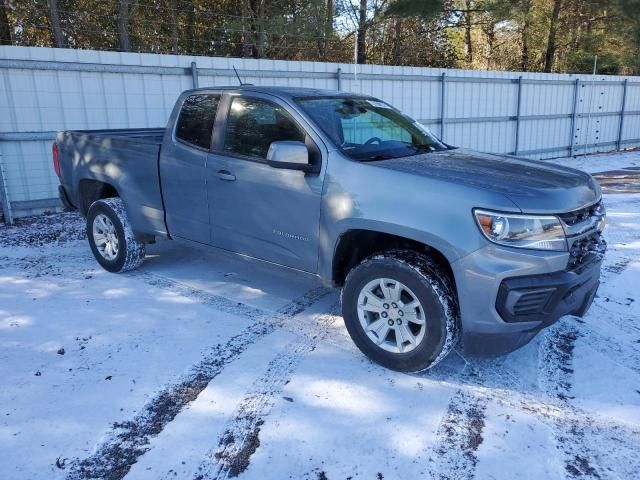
(253, 124)
(195, 123)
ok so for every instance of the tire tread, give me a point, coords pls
(134, 250)
(438, 280)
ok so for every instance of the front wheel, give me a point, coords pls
(111, 238)
(401, 311)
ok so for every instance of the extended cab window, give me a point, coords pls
(195, 123)
(253, 124)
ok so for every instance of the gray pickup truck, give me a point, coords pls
(431, 244)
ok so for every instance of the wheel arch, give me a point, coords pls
(354, 245)
(91, 190)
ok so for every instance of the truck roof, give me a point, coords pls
(281, 91)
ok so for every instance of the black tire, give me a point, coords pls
(432, 287)
(130, 252)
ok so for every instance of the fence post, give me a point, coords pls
(518, 107)
(194, 74)
(339, 78)
(4, 196)
(573, 116)
(624, 101)
(443, 103)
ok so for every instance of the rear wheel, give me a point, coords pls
(111, 238)
(400, 309)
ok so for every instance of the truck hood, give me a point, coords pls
(533, 186)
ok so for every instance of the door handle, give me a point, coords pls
(226, 175)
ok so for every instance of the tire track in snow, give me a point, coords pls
(240, 439)
(500, 390)
(555, 379)
(488, 379)
(461, 428)
(618, 267)
(459, 436)
(220, 303)
(484, 380)
(127, 441)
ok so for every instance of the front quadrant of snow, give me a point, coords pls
(121, 341)
(349, 418)
(519, 443)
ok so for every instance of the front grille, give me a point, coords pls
(585, 249)
(578, 216)
(583, 230)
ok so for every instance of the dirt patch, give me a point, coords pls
(459, 436)
(580, 467)
(556, 379)
(619, 181)
(558, 360)
(238, 462)
(618, 267)
(41, 230)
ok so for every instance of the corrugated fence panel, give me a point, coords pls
(537, 115)
(631, 125)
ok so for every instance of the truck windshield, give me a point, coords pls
(367, 129)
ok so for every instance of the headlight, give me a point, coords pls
(602, 212)
(540, 232)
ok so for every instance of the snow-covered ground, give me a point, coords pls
(201, 365)
(602, 162)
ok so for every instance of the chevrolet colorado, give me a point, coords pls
(431, 244)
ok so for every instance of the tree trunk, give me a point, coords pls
(328, 28)
(524, 58)
(247, 38)
(397, 41)
(362, 33)
(637, 35)
(56, 26)
(491, 41)
(261, 34)
(254, 40)
(188, 39)
(124, 11)
(551, 41)
(467, 32)
(524, 34)
(5, 28)
(173, 5)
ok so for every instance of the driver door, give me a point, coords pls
(255, 209)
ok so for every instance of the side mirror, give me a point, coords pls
(289, 154)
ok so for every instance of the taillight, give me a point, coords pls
(56, 162)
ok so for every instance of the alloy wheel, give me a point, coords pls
(391, 315)
(105, 237)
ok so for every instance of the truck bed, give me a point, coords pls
(140, 135)
(126, 159)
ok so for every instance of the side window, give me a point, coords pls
(195, 123)
(253, 124)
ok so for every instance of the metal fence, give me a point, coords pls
(529, 114)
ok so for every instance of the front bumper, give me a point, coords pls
(506, 297)
(547, 297)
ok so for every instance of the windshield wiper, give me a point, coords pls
(377, 158)
(425, 147)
